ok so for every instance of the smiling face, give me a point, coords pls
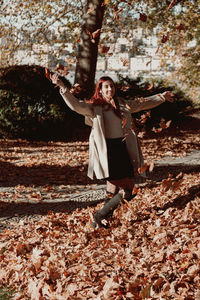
(108, 90)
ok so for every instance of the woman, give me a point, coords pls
(114, 151)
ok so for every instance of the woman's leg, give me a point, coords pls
(110, 205)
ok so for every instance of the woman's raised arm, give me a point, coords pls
(72, 102)
(146, 103)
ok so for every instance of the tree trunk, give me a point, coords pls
(88, 47)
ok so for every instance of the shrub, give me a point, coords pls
(31, 107)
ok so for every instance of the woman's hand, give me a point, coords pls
(168, 96)
(55, 80)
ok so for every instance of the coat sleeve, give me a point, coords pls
(77, 105)
(141, 103)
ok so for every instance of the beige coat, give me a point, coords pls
(98, 162)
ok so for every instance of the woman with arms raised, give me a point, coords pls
(114, 152)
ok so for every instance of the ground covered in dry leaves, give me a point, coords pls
(150, 251)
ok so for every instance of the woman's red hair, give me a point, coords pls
(97, 98)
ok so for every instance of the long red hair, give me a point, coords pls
(97, 98)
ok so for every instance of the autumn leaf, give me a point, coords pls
(47, 73)
(157, 50)
(150, 61)
(150, 86)
(90, 9)
(93, 35)
(124, 122)
(103, 49)
(166, 184)
(124, 61)
(143, 17)
(105, 2)
(63, 70)
(135, 190)
(142, 169)
(70, 61)
(172, 4)
(116, 12)
(181, 27)
(165, 38)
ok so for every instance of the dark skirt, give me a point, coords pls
(119, 163)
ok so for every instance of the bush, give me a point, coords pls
(31, 107)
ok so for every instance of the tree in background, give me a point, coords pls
(88, 26)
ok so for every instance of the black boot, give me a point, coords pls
(106, 210)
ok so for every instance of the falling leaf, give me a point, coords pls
(124, 61)
(142, 169)
(47, 73)
(93, 35)
(103, 49)
(181, 27)
(63, 70)
(70, 61)
(143, 17)
(125, 88)
(116, 12)
(150, 61)
(90, 9)
(150, 86)
(165, 38)
(135, 190)
(124, 122)
(157, 50)
(172, 4)
(105, 2)
(146, 292)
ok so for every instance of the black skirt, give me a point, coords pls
(119, 164)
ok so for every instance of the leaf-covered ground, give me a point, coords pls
(151, 250)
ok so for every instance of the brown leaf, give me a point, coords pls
(142, 169)
(166, 184)
(148, 62)
(143, 17)
(93, 35)
(165, 38)
(90, 9)
(135, 190)
(47, 73)
(124, 61)
(116, 12)
(63, 70)
(124, 122)
(21, 249)
(172, 4)
(105, 2)
(103, 49)
(150, 86)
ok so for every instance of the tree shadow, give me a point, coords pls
(10, 210)
(43, 175)
(161, 172)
